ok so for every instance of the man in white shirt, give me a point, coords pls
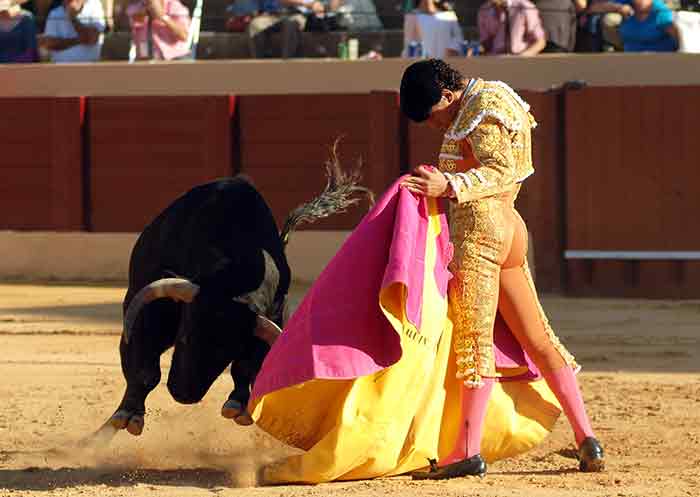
(74, 30)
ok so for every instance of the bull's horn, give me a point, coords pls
(178, 289)
(267, 330)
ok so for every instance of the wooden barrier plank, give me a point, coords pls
(309, 131)
(541, 201)
(423, 145)
(385, 140)
(303, 107)
(150, 150)
(631, 154)
(41, 164)
(284, 142)
(300, 155)
(66, 171)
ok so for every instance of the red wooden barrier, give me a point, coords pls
(41, 164)
(631, 175)
(285, 140)
(145, 151)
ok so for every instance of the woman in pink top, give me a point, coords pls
(511, 27)
(169, 28)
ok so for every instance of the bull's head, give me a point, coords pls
(262, 302)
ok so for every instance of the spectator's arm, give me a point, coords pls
(665, 21)
(608, 7)
(672, 31)
(491, 145)
(534, 48)
(535, 33)
(581, 5)
(178, 28)
(177, 21)
(88, 35)
(58, 44)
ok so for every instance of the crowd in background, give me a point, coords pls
(74, 30)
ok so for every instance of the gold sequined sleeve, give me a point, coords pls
(491, 145)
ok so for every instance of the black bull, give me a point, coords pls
(209, 276)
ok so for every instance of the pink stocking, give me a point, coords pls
(563, 383)
(474, 404)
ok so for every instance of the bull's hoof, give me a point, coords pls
(135, 426)
(127, 419)
(234, 410)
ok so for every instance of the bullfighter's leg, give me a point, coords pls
(153, 334)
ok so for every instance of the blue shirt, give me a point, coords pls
(650, 34)
(19, 44)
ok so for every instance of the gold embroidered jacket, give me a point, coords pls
(487, 149)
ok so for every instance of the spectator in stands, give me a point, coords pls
(647, 25)
(286, 16)
(358, 15)
(559, 23)
(433, 25)
(511, 27)
(17, 34)
(74, 31)
(170, 24)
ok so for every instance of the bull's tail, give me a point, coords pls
(342, 191)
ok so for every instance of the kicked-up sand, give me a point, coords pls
(60, 379)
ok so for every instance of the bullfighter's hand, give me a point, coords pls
(426, 181)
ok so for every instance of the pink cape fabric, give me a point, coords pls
(339, 331)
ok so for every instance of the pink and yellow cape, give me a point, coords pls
(363, 376)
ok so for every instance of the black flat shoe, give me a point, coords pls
(591, 456)
(473, 466)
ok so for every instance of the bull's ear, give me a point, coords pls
(261, 300)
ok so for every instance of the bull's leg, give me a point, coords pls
(235, 407)
(243, 372)
(153, 334)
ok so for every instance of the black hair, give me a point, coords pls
(422, 85)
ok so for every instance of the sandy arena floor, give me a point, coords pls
(61, 379)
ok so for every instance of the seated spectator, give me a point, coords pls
(17, 34)
(511, 27)
(74, 31)
(688, 26)
(286, 16)
(435, 27)
(170, 24)
(323, 17)
(358, 15)
(559, 23)
(647, 25)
